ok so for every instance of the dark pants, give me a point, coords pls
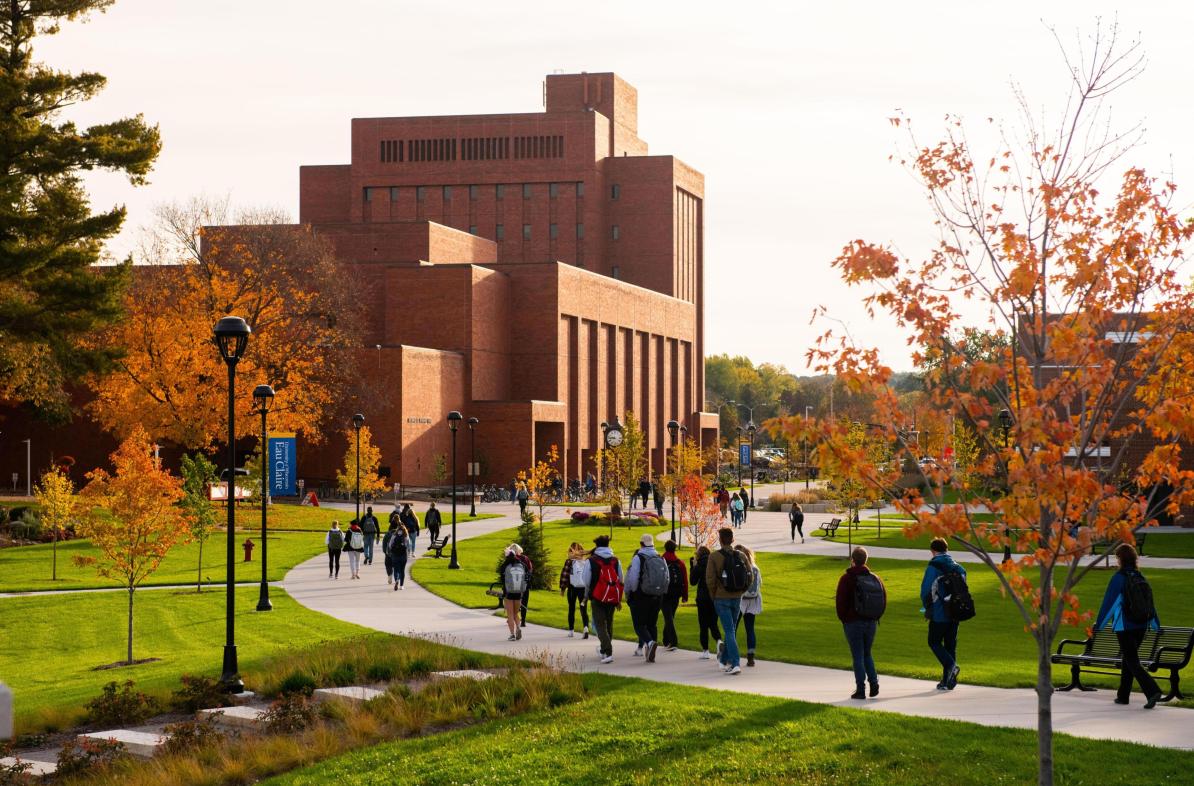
(389, 566)
(798, 526)
(1129, 648)
(860, 635)
(522, 507)
(749, 621)
(644, 612)
(707, 622)
(603, 619)
(400, 571)
(576, 597)
(526, 599)
(668, 607)
(433, 532)
(333, 562)
(943, 641)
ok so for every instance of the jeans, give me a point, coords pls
(400, 572)
(860, 635)
(1129, 648)
(727, 611)
(644, 612)
(577, 597)
(333, 562)
(368, 549)
(603, 618)
(707, 622)
(414, 536)
(943, 641)
(668, 607)
(749, 621)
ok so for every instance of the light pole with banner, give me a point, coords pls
(673, 428)
(263, 396)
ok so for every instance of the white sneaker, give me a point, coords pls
(704, 655)
(608, 659)
(735, 670)
(638, 651)
(389, 580)
(671, 648)
(569, 634)
(401, 586)
(599, 650)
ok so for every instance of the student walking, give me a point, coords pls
(706, 614)
(574, 583)
(387, 543)
(727, 576)
(399, 555)
(737, 511)
(354, 548)
(411, 522)
(677, 593)
(526, 592)
(657, 493)
(752, 603)
(515, 579)
(522, 495)
(606, 587)
(861, 601)
(432, 520)
(334, 540)
(744, 497)
(1128, 610)
(943, 629)
(646, 584)
(723, 501)
(371, 530)
(796, 518)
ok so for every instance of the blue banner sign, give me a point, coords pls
(282, 466)
(744, 454)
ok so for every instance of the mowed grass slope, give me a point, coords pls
(630, 732)
(799, 623)
(51, 644)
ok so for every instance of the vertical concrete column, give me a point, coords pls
(5, 712)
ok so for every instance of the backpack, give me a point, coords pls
(870, 597)
(955, 596)
(335, 539)
(734, 575)
(357, 540)
(398, 544)
(675, 579)
(515, 578)
(753, 591)
(1138, 599)
(654, 577)
(608, 588)
(576, 574)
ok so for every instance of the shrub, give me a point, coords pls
(289, 714)
(383, 671)
(579, 515)
(344, 674)
(192, 735)
(198, 693)
(81, 755)
(297, 683)
(119, 705)
(775, 501)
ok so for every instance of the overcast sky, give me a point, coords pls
(783, 106)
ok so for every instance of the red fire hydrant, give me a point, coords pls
(248, 544)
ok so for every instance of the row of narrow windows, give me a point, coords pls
(393, 151)
(474, 191)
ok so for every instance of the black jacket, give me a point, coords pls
(696, 577)
(432, 519)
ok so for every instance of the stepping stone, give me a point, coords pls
(461, 674)
(142, 744)
(354, 693)
(35, 767)
(242, 698)
(241, 717)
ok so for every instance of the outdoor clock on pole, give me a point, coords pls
(614, 436)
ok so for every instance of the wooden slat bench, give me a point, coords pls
(438, 546)
(496, 590)
(830, 527)
(1166, 648)
(1101, 546)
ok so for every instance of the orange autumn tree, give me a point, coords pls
(700, 515)
(372, 482)
(539, 480)
(299, 300)
(136, 519)
(55, 494)
(1094, 363)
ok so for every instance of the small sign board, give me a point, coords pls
(744, 454)
(282, 465)
(218, 492)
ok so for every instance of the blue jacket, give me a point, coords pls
(1111, 612)
(938, 565)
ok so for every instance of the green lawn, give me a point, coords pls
(631, 732)
(27, 568)
(52, 643)
(799, 624)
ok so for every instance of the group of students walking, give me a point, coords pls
(397, 544)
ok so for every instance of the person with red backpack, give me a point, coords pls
(1129, 611)
(677, 593)
(861, 601)
(605, 594)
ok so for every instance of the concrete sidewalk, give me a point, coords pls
(416, 612)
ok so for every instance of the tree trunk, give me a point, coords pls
(130, 652)
(54, 548)
(1044, 715)
(199, 573)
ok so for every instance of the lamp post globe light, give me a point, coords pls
(231, 336)
(673, 428)
(358, 420)
(472, 470)
(263, 397)
(454, 419)
(1005, 426)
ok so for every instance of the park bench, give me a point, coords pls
(497, 591)
(1106, 546)
(1166, 648)
(830, 527)
(438, 546)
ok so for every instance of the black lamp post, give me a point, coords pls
(472, 470)
(358, 420)
(1005, 425)
(750, 430)
(673, 428)
(263, 396)
(454, 419)
(231, 335)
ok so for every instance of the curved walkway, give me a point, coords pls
(417, 612)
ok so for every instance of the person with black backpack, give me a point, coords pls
(1128, 610)
(334, 540)
(398, 554)
(945, 596)
(861, 601)
(515, 579)
(677, 593)
(727, 576)
(796, 519)
(646, 583)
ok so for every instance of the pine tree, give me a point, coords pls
(54, 295)
(530, 538)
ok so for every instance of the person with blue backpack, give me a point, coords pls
(1128, 610)
(861, 601)
(947, 603)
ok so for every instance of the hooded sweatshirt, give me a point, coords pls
(845, 592)
(938, 565)
(601, 553)
(670, 557)
(634, 575)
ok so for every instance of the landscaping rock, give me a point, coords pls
(466, 674)
(35, 767)
(142, 744)
(353, 693)
(240, 717)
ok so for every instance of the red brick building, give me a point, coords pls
(539, 271)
